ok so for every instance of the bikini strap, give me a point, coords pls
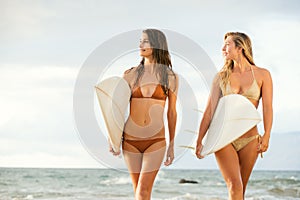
(252, 73)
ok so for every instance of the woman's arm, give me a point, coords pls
(129, 76)
(213, 100)
(267, 103)
(172, 119)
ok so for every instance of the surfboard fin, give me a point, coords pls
(187, 147)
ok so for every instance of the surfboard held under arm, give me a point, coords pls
(113, 95)
(234, 116)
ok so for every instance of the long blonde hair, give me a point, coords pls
(240, 40)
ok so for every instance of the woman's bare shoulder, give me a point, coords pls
(129, 75)
(131, 70)
(261, 71)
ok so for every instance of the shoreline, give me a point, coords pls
(122, 169)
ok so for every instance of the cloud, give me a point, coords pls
(20, 153)
(36, 100)
(26, 22)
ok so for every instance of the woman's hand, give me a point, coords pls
(112, 150)
(198, 150)
(263, 143)
(170, 155)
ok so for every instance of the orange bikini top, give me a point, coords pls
(158, 94)
(253, 92)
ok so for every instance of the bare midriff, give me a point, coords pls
(145, 120)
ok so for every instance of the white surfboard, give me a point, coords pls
(233, 117)
(113, 96)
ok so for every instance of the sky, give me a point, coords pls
(44, 45)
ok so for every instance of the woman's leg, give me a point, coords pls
(133, 158)
(152, 159)
(247, 157)
(228, 162)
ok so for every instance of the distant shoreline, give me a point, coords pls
(122, 169)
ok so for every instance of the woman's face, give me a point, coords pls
(145, 47)
(229, 50)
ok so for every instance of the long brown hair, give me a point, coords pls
(161, 56)
(240, 40)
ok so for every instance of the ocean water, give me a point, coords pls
(108, 184)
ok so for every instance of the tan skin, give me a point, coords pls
(236, 167)
(140, 116)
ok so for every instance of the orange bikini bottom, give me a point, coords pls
(140, 145)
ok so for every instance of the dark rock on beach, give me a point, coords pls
(187, 181)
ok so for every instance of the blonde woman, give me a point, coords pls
(239, 75)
